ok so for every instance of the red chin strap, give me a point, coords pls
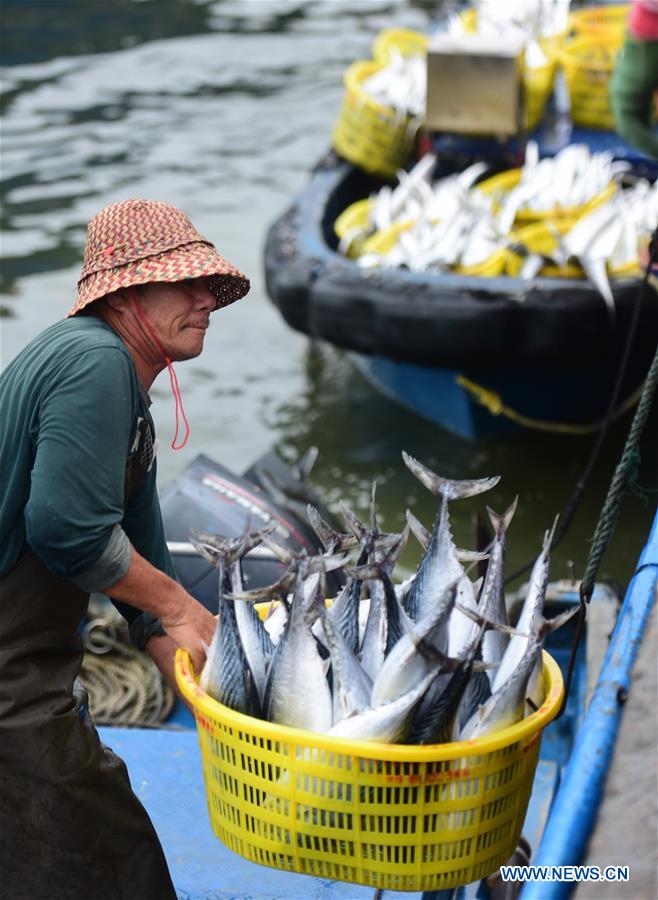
(175, 389)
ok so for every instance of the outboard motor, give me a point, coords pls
(208, 497)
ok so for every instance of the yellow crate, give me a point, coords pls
(608, 20)
(377, 138)
(395, 817)
(588, 63)
(399, 40)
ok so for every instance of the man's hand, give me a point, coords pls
(188, 623)
(185, 620)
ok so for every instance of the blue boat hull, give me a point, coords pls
(570, 403)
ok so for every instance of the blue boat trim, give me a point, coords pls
(574, 812)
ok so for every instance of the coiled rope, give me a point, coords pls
(125, 686)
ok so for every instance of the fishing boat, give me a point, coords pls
(487, 348)
(477, 355)
(165, 763)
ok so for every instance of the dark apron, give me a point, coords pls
(70, 826)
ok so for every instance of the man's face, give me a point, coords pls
(179, 314)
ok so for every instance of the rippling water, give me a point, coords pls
(221, 108)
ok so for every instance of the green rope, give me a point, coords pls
(625, 476)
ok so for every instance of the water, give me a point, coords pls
(221, 108)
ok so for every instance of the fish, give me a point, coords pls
(506, 705)
(383, 625)
(440, 565)
(387, 723)
(428, 660)
(351, 684)
(531, 615)
(436, 718)
(492, 600)
(255, 639)
(415, 654)
(227, 675)
(297, 693)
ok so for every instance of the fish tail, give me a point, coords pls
(328, 536)
(500, 523)
(446, 488)
(215, 546)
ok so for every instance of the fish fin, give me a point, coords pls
(281, 552)
(549, 535)
(471, 555)
(448, 489)
(499, 523)
(548, 626)
(302, 468)
(477, 585)
(481, 666)
(353, 522)
(373, 508)
(422, 534)
(489, 623)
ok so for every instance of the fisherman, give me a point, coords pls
(634, 86)
(79, 513)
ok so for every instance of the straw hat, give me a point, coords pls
(140, 241)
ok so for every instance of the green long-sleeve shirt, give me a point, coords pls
(70, 404)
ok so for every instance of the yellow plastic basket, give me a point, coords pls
(379, 139)
(588, 63)
(609, 20)
(394, 817)
(399, 40)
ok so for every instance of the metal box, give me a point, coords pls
(474, 85)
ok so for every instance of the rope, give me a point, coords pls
(625, 476)
(493, 402)
(125, 686)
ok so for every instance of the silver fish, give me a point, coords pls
(297, 693)
(506, 705)
(492, 600)
(440, 565)
(414, 655)
(388, 723)
(531, 615)
(255, 639)
(227, 675)
(351, 684)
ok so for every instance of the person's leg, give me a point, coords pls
(70, 825)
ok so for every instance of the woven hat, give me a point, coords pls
(141, 241)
